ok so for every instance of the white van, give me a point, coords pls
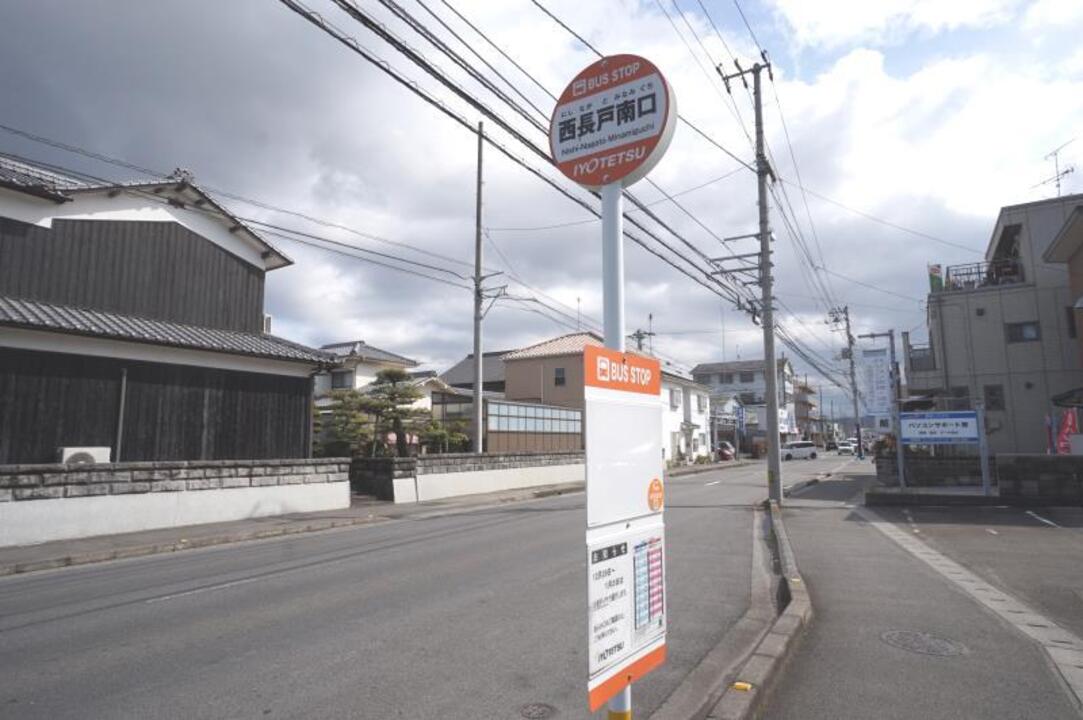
(799, 450)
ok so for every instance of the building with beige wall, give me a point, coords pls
(551, 373)
(1002, 331)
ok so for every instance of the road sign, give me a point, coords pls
(940, 428)
(741, 418)
(613, 122)
(625, 530)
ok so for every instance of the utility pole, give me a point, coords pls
(478, 278)
(896, 402)
(843, 315)
(639, 336)
(770, 362)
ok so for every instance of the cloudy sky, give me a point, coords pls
(923, 114)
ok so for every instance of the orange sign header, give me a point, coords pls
(613, 370)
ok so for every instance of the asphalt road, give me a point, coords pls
(1035, 554)
(868, 652)
(470, 615)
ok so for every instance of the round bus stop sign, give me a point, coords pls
(613, 122)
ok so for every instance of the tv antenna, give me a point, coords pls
(1058, 174)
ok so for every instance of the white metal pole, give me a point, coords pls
(896, 406)
(613, 264)
(479, 428)
(620, 707)
(983, 450)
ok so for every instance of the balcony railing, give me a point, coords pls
(983, 274)
(922, 358)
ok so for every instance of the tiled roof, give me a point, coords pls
(571, 344)
(19, 175)
(44, 182)
(363, 351)
(734, 366)
(462, 372)
(16, 312)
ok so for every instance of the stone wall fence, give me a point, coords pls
(39, 503)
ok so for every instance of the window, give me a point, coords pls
(747, 377)
(1071, 321)
(726, 378)
(558, 376)
(994, 397)
(674, 397)
(748, 398)
(701, 403)
(1022, 332)
(342, 380)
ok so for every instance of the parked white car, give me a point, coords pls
(846, 448)
(799, 450)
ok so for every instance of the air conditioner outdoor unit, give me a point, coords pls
(84, 455)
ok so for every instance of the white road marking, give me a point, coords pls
(1039, 518)
(991, 531)
(197, 591)
(713, 482)
(1064, 649)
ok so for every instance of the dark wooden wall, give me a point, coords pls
(151, 269)
(172, 412)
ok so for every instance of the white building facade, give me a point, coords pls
(686, 419)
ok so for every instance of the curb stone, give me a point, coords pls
(155, 549)
(761, 670)
(98, 556)
(702, 688)
(712, 467)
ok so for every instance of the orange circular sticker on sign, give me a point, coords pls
(656, 496)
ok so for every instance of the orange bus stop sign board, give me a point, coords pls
(613, 122)
(614, 370)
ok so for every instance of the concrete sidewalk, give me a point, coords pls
(894, 639)
(363, 510)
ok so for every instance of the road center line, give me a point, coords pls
(1039, 518)
(713, 482)
(991, 531)
(197, 591)
(1063, 648)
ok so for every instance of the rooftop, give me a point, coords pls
(737, 366)
(362, 351)
(178, 190)
(34, 315)
(571, 344)
(462, 372)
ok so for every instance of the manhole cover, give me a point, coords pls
(536, 711)
(923, 643)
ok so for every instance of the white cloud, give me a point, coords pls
(834, 23)
(1053, 14)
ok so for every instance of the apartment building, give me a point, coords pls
(747, 380)
(1003, 331)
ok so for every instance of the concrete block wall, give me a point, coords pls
(39, 503)
(931, 471)
(433, 477)
(1053, 478)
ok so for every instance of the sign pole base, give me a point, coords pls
(620, 707)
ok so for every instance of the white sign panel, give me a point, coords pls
(940, 428)
(876, 381)
(625, 532)
(623, 432)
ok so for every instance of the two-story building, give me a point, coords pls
(132, 324)
(1003, 330)
(356, 365)
(747, 380)
(551, 373)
